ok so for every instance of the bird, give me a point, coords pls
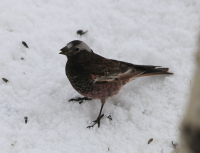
(96, 77)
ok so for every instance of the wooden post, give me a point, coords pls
(190, 131)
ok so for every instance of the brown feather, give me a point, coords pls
(102, 69)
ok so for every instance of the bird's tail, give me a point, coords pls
(156, 71)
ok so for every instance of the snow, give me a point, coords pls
(148, 32)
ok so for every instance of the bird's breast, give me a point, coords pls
(84, 83)
(79, 78)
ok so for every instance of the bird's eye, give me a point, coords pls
(77, 49)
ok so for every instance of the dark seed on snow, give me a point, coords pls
(110, 117)
(24, 43)
(80, 32)
(150, 140)
(4, 79)
(174, 145)
(26, 119)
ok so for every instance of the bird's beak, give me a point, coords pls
(62, 53)
(64, 50)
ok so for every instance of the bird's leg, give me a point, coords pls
(97, 121)
(80, 99)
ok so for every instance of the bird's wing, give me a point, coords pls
(102, 69)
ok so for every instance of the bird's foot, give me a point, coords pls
(80, 99)
(97, 121)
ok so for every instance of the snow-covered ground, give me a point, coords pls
(153, 32)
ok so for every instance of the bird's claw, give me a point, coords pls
(97, 121)
(80, 99)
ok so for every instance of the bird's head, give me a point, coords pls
(76, 48)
